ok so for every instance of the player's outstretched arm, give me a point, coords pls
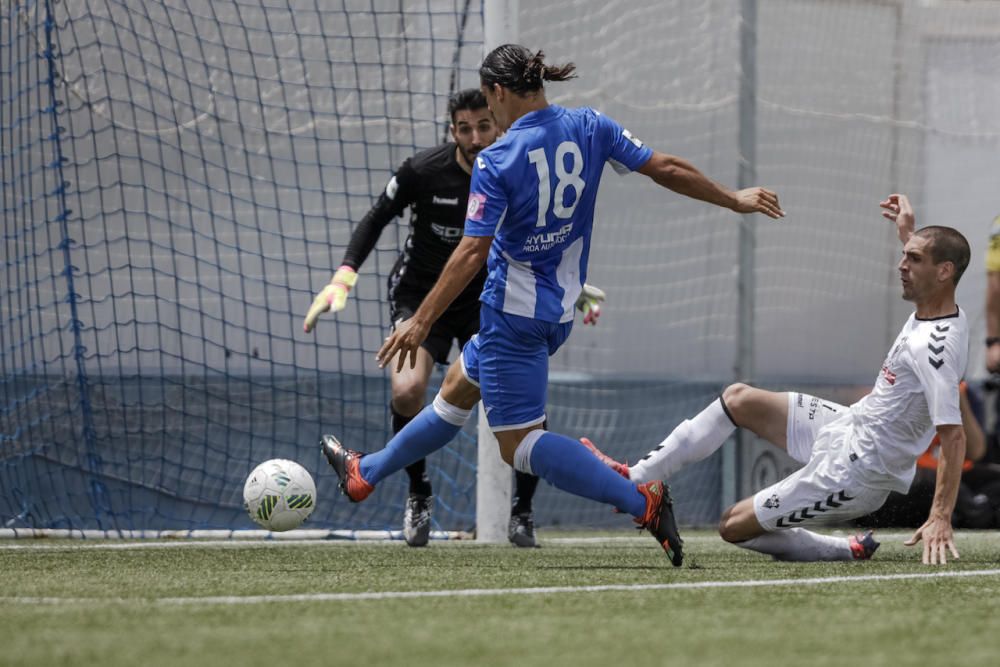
(390, 204)
(936, 533)
(679, 175)
(462, 267)
(897, 209)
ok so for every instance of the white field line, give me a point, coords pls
(491, 592)
(180, 543)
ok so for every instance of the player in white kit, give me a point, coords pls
(852, 456)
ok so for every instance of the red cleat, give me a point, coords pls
(620, 468)
(864, 545)
(345, 461)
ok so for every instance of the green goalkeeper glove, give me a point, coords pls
(589, 303)
(333, 297)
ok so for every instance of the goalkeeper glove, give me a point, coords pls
(589, 303)
(333, 297)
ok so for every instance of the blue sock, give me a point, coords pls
(566, 464)
(425, 434)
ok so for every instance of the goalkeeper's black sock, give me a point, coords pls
(417, 471)
(420, 484)
(398, 420)
(524, 492)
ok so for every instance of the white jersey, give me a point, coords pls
(916, 391)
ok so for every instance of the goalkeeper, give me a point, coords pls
(435, 185)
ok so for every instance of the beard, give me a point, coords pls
(469, 155)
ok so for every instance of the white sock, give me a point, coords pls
(799, 544)
(692, 440)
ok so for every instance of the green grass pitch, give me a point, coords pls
(273, 603)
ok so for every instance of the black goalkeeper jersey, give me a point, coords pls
(436, 189)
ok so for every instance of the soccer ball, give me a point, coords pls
(279, 494)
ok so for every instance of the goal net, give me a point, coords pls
(179, 177)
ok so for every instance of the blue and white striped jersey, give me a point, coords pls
(534, 191)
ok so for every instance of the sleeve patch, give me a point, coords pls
(391, 188)
(477, 206)
(634, 139)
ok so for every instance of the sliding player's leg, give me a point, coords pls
(777, 520)
(789, 421)
(763, 412)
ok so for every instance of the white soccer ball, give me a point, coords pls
(279, 494)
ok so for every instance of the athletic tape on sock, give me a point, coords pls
(522, 455)
(453, 415)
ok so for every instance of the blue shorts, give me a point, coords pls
(509, 361)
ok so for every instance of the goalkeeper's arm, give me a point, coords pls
(333, 297)
(589, 303)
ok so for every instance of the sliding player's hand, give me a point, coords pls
(758, 200)
(938, 537)
(589, 303)
(404, 341)
(897, 209)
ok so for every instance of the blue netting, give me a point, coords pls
(178, 178)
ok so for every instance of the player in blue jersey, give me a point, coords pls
(531, 211)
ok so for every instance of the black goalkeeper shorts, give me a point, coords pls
(456, 324)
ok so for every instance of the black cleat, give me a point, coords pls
(417, 520)
(521, 530)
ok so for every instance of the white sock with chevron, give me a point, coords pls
(692, 440)
(799, 544)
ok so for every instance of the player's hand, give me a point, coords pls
(937, 536)
(333, 297)
(758, 200)
(896, 208)
(404, 340)
(589, 303)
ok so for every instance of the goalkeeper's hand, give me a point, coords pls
(333, 297)
(589, 303)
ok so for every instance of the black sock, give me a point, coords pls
(524, 492)
(419, 482)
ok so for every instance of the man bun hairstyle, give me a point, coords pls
(520, 71)
(947, 245)
(470, 99)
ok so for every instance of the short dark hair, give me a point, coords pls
(470, 99)
(947, 245)
(517, 69)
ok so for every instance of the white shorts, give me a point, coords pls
(828, 488)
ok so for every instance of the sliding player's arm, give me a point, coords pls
(936, 532)
(897, 209)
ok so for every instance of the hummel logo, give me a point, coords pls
(444, 201)
(936, 363)
(935, 350)
(937, 339)
(942, 327)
